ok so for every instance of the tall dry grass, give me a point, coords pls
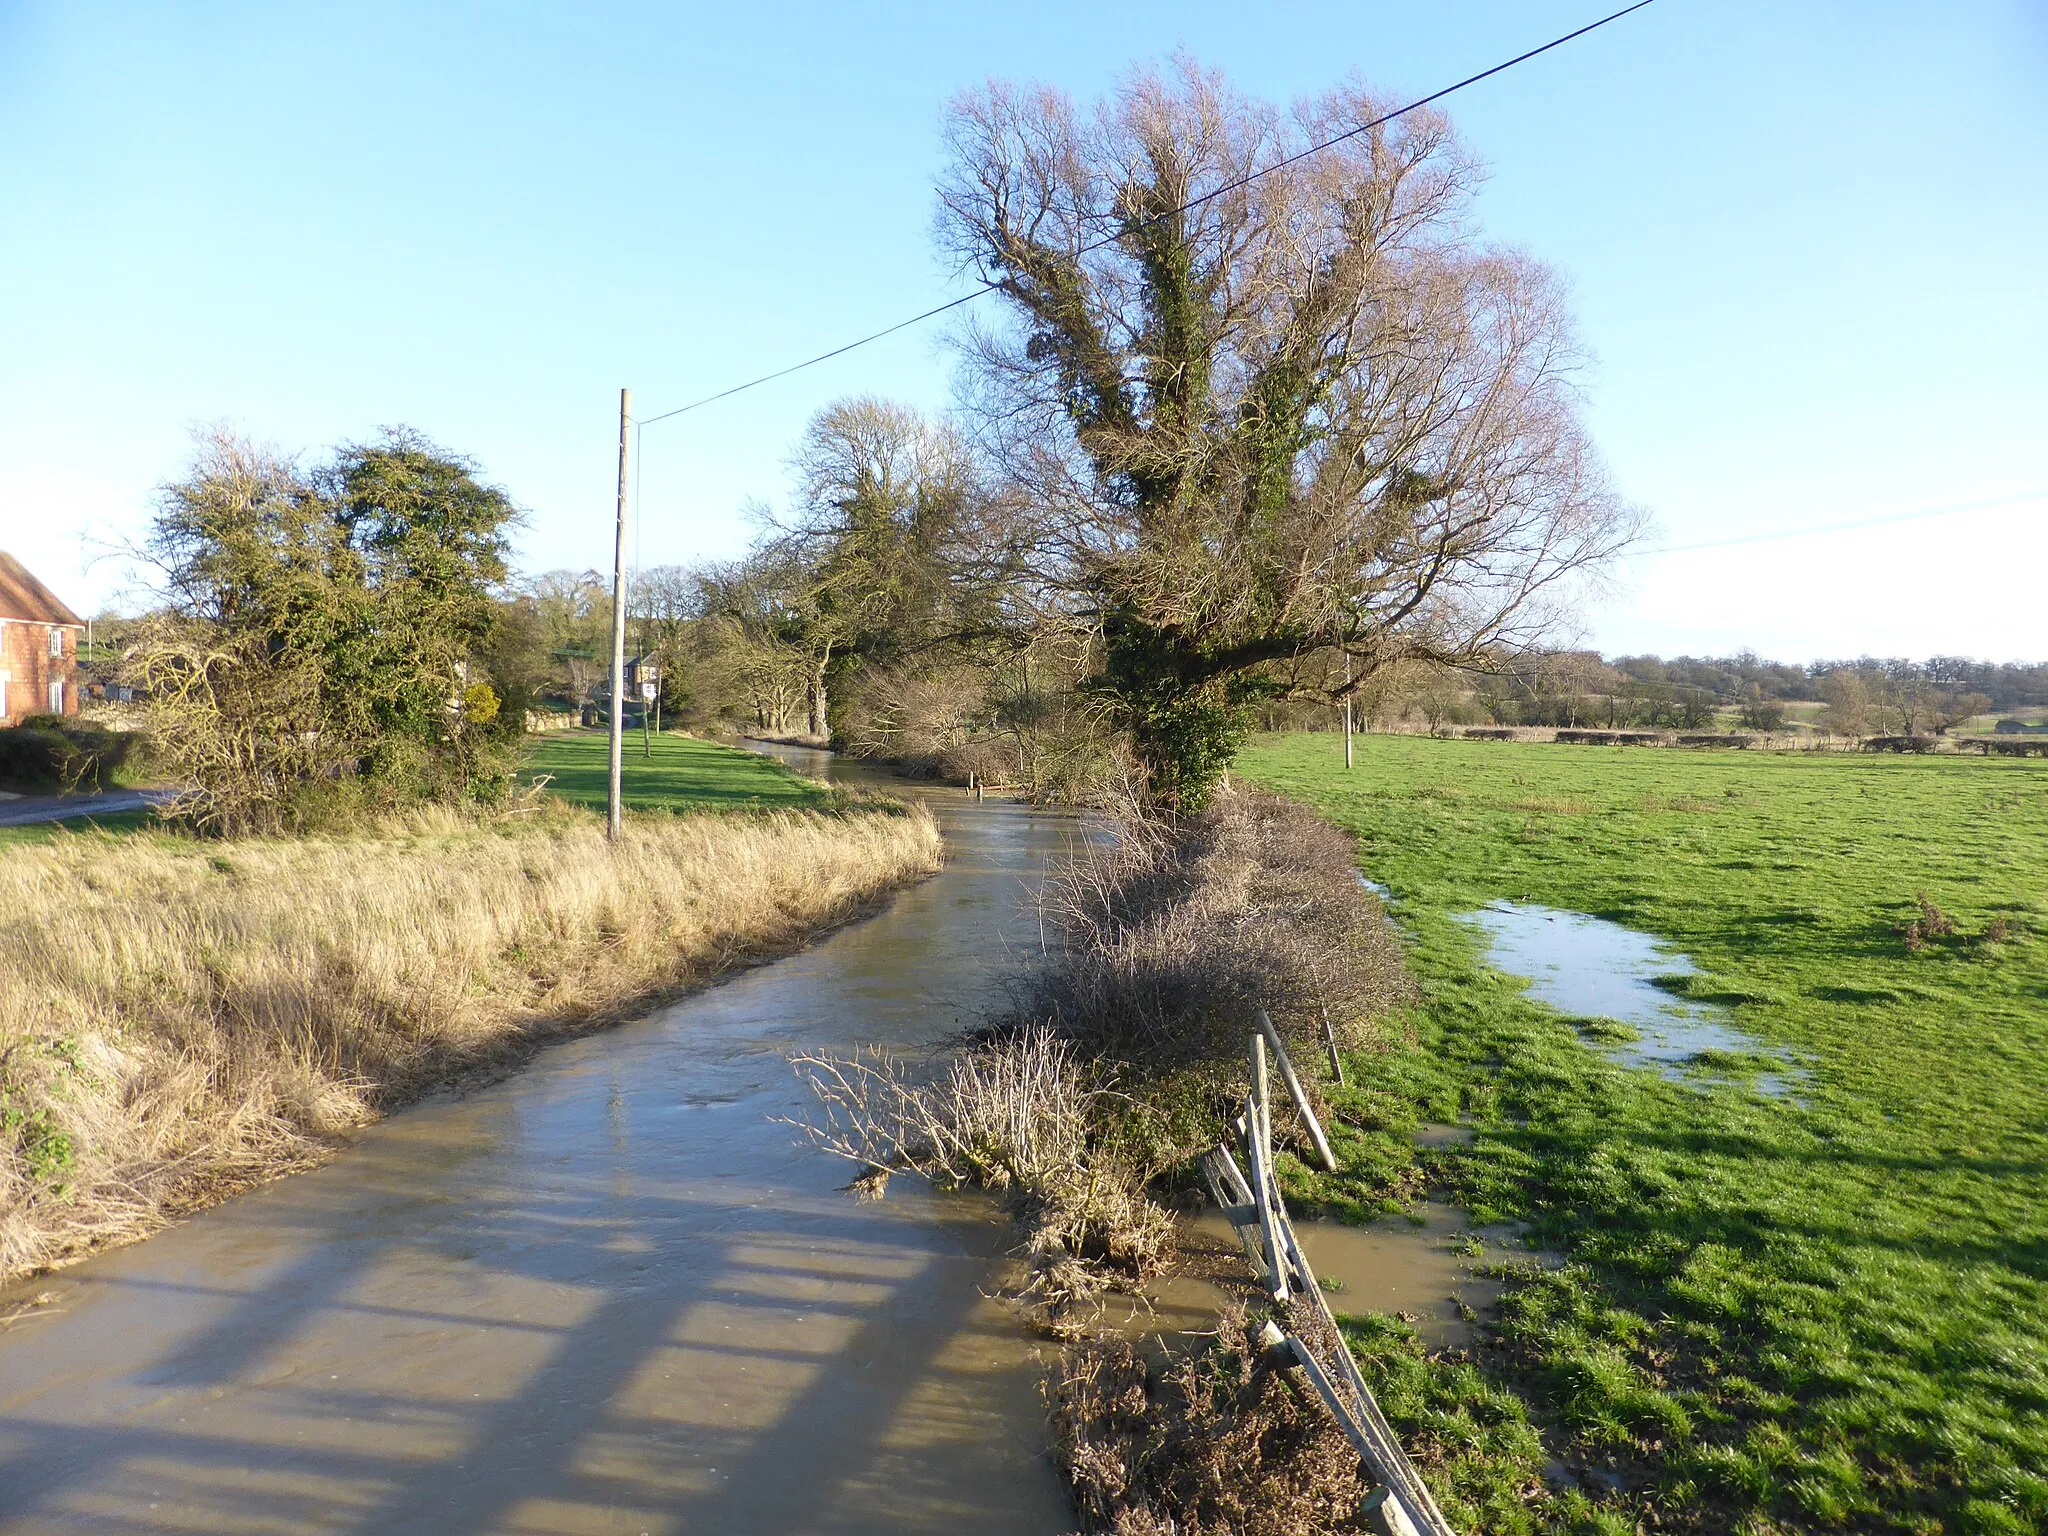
(179, 1019)
(1021, 1117)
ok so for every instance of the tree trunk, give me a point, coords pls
(817, 702)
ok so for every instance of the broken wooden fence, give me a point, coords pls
(1400, 1505)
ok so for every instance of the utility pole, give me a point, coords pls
(1347, 709)
(614, 820)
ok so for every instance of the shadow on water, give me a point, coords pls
(608, 1294)
(1590, 969)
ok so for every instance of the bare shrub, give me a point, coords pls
(1931, 927)
(914, 717)
(1019, 1117)
(1215, 1445)
(1167, 941)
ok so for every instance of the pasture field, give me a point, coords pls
(682, 774)
(1823, 1311)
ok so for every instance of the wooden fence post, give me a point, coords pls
(1296, 1092)
(1261, 1149)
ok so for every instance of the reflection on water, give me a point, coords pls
(1589, 968)
(605, 1295)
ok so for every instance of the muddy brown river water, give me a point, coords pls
(605, 1295)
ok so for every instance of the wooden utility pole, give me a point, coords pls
(614, 823)
(1347, 709)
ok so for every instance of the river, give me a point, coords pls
(607, 1294)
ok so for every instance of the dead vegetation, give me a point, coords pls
(1215, 1443)
(1933, 929)
(1022, 1117)
(180, 1019)
(1164, 944)
(1117, 1062)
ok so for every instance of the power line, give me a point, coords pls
(2020, 499)
(1195, 202)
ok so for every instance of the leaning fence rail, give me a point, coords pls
(1401, 1504)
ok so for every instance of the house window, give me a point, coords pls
(56, 695)
(56, 641)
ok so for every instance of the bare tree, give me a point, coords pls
(1239, 422)
(1949, 710)
(1848, 702)
(1439, 695)
(753, 645)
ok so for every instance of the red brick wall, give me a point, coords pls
(26, 661)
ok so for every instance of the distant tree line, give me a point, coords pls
(2005, 686)
(1868, 696)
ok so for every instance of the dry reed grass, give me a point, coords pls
(180, 1019)
(1166, 943)
(1020, 1117)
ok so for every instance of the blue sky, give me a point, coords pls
(1808, 244)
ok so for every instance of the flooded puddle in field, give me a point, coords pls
(1601, 975)
(1427, 1271)
(1440, 1136)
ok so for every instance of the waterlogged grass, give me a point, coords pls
(682, 773)
(1823, 1313)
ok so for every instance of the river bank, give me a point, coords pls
(181, 1019)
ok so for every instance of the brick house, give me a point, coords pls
(38, 647)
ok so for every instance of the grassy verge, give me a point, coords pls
(36, 833)
(1824, 1314)
(180, 1018)
(683, 773)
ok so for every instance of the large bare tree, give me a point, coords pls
(1250, 408)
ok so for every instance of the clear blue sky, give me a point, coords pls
(1808, 243)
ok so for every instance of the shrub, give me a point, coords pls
(1168, 942)
(1762, 714)
(51, 752)
(1021, 1117)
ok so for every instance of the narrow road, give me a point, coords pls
(606, 1295)
(24, 810)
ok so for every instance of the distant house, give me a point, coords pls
(38, 647)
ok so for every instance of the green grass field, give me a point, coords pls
(684, 774)
(44, 831)
(1819, 1314)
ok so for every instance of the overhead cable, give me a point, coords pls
(1194, 202)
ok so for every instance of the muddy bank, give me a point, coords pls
(607, 1294)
